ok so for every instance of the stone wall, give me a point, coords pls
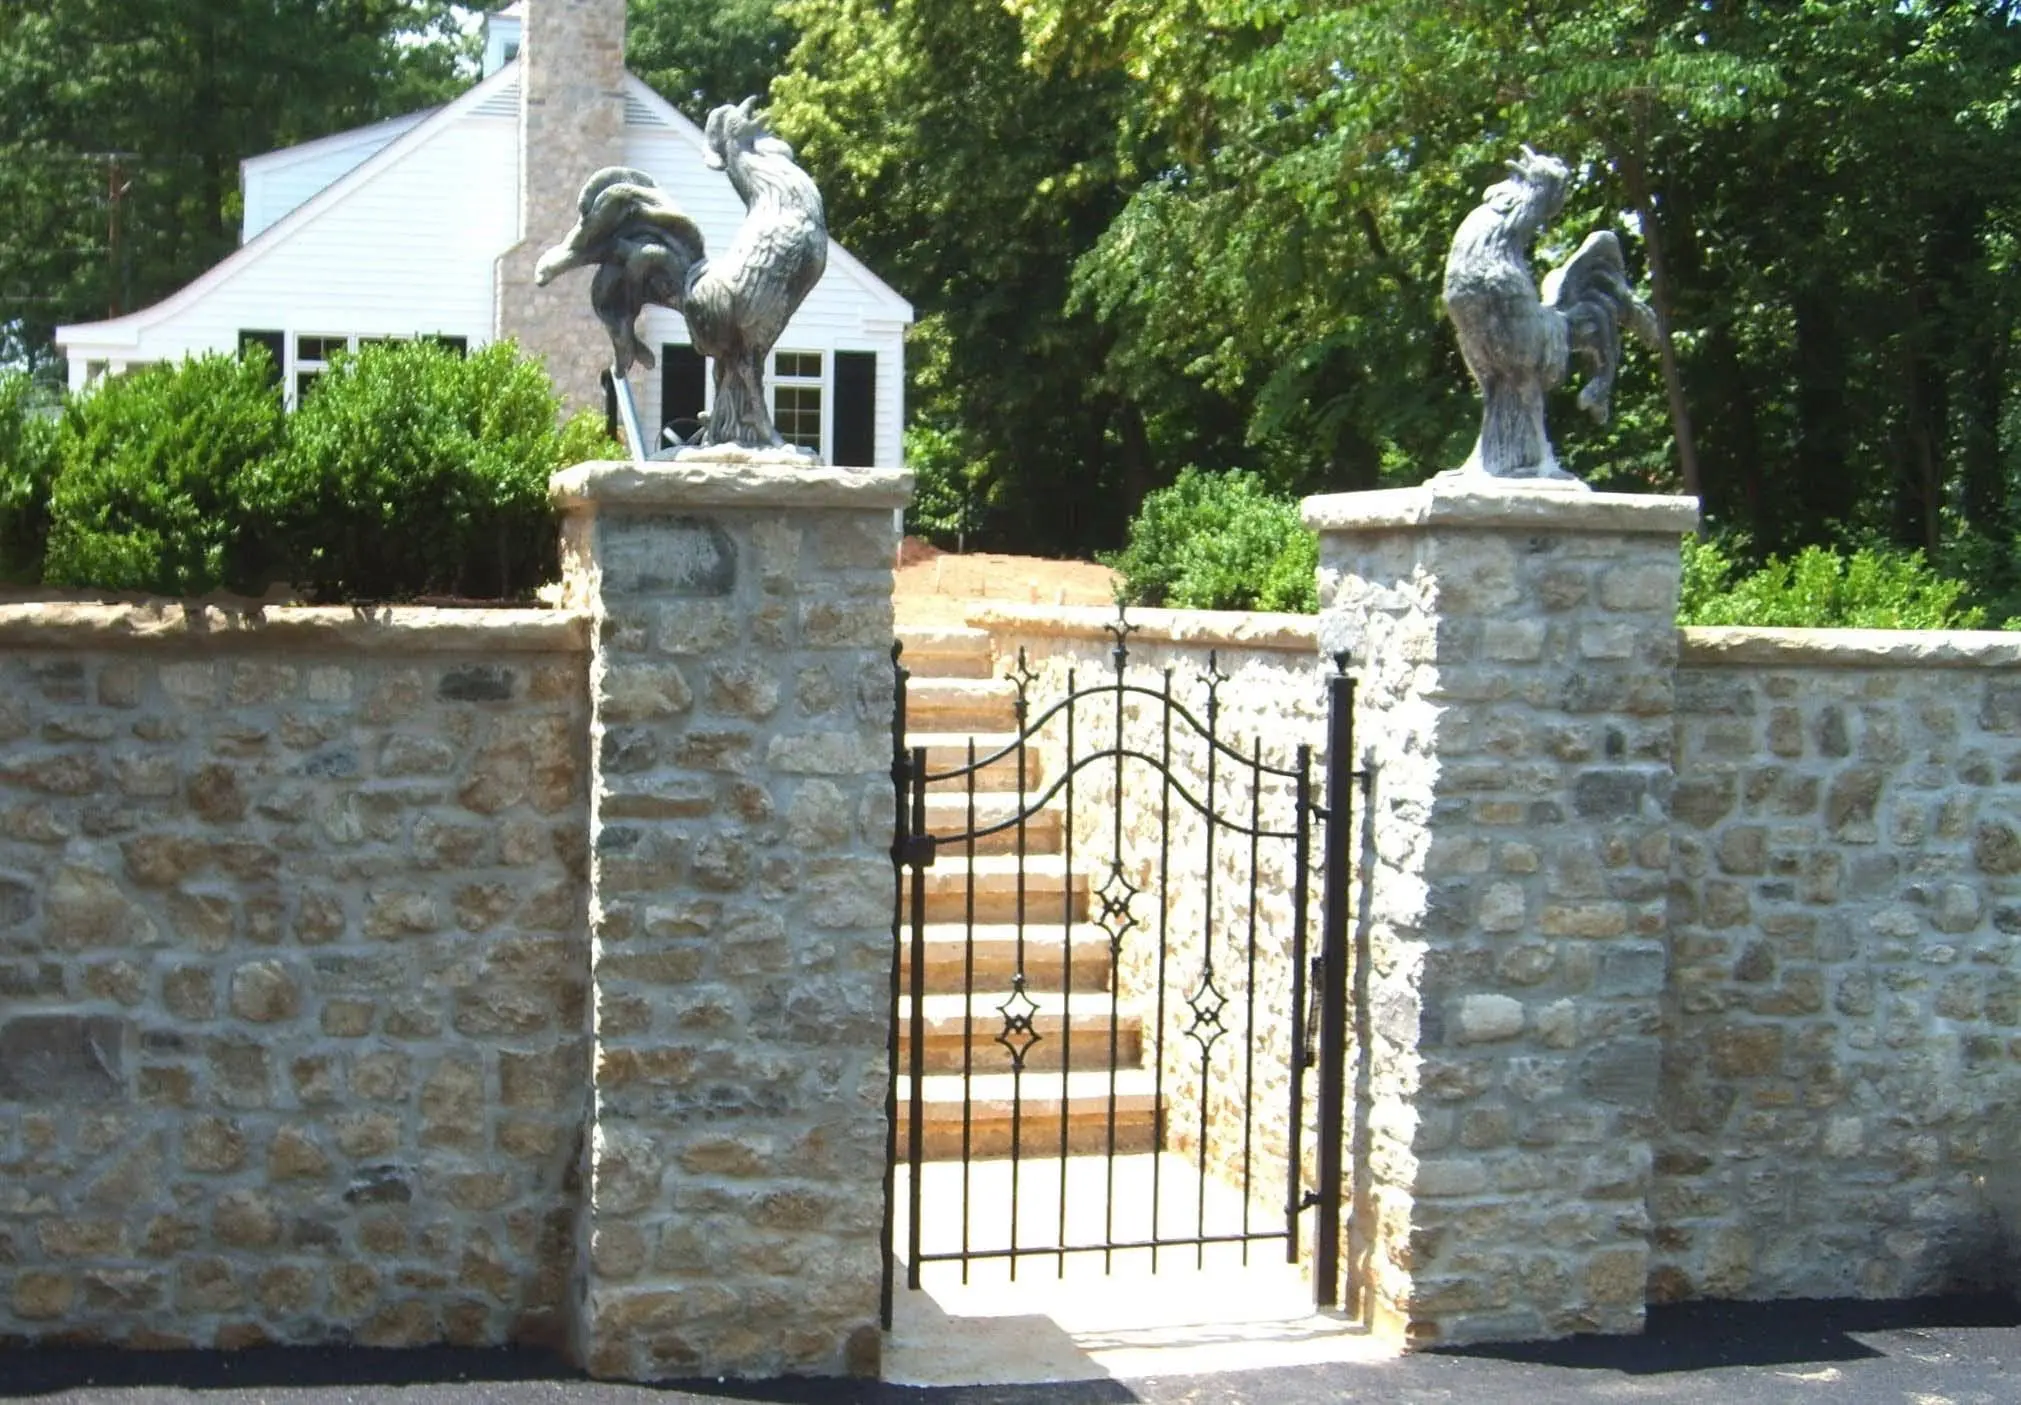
(1841, 1096)
(291, 974)
(741, 911)
(1273, 694)
(1518, 643)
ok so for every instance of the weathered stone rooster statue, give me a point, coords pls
(1516, 343)
(646, 251)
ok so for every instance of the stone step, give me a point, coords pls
(961, 705)
(988, 891)
(949, 652)
(994, 958)
(949, 751)
(948, 818)
(993, 1101)
(963, 1032)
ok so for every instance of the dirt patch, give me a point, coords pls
(936, 588)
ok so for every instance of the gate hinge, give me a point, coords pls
(1308, 1200)
(916, 850)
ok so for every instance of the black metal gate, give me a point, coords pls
(1121, 858)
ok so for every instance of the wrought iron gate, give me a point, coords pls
(1182, 886)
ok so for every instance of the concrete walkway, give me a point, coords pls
(1095, 1316)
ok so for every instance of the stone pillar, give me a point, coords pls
(571, 122)
(740, 912)
(1516, 647)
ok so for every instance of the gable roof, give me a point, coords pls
(489, 97)
(125, 331)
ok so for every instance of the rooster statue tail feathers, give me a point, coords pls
(1591, 292)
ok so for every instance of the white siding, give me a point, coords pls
(408, 249)
(281, 181)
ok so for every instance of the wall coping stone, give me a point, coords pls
(726, 477)
(1236, 629)
(1849, 648)
(1452, 503)
(375, 629)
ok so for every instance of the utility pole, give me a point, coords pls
(115, 188)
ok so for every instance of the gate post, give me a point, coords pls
(740, 912)
(1517, 644)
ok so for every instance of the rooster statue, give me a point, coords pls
(1518, 344)
(646, 251)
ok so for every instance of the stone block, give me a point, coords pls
(1486, 1019)
(62, 1059)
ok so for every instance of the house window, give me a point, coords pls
(312, 358)
(275, 344)
(313, 352)
(796, 397)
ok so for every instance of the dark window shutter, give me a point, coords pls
(682, 373)
(276, 344)
(856, 408)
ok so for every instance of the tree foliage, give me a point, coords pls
(28, 463)
(699, 53)
(1225, 223)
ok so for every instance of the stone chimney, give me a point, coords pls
(571, 121)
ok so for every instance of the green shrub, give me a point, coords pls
(411, 471)
(28, 465)
(1218, 541)
(946, 503)
(147, 493)
(1818, 589)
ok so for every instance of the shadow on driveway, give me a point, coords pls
(1680, 1340)
(1795, 1331)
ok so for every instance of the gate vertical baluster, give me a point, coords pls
(1249, 985)
(968, 1014)
(1208, 993)
(1067, 967)
(1294, 1193)
(916, 1133)
(1164, 936)
(1018, 981)
(899, 778)
(1115, 924)
(1333, 1006)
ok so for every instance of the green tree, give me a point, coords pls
(699, 53)
(974, 182)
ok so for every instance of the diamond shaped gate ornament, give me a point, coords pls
(1115, 896)
(1207, 1004)
(1019, 1034)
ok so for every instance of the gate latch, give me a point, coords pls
(917, 850)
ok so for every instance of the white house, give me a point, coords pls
(427, 225)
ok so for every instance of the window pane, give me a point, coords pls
(798, 363)
(797, 412)
(318, 348)
(304, 380)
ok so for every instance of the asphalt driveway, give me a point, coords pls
(1954, 1351)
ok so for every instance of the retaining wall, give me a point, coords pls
(292, 972)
